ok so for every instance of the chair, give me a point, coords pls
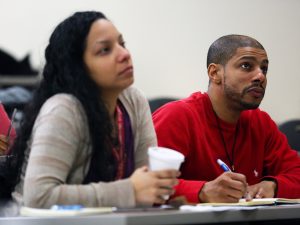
(155, 103)
(291, 129)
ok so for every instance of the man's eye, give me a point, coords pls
(246, 66)
(264, 70)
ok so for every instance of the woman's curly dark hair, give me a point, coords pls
(65, 72)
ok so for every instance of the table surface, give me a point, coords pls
(23, 80)
(282, 214)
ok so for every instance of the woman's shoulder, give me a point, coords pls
(62, 98)
(62, 103)
(133, 97)
(132, 92)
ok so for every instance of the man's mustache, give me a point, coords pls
(256, 87)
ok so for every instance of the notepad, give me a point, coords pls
(27, 211)
(256, 202)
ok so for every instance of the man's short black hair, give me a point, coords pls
(221, 51)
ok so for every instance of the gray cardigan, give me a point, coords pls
(60, 150)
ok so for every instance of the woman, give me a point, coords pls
(87, 131)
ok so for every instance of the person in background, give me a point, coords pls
(225, 123)
(7, 133)
(85, 135)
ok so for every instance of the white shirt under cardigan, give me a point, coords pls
(60, 150)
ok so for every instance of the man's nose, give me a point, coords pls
(260, 75)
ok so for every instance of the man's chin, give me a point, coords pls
(247, 105)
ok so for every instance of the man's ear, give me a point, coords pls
(214, 72)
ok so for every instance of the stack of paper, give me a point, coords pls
(79, 210)
(27, 211)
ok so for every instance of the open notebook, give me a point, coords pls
(241, 205)
(256, 202)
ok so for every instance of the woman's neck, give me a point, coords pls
(110, 101)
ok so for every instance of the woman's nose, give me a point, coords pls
(123, 54)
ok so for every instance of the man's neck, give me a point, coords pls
(222, 108)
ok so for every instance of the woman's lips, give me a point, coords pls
(128, 70)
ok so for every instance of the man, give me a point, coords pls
(225, 123)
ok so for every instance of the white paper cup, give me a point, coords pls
(161, 158)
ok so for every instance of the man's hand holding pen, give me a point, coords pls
(231, 187)
(228, 187)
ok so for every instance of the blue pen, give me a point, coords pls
(223, 166)
(67, 207)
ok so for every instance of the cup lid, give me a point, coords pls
(165, 154)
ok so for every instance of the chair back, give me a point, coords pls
(291, 129)
(156, 103)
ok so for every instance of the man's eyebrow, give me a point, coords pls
(252, 58)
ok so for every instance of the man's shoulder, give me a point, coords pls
(256, 113)
(256, 116)
(194, 99)
(185, 107)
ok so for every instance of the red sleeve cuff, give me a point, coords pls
(189, 189)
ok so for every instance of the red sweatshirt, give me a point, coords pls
(5, 123)
(261, 150)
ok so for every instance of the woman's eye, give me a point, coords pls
(123, 44)
(104, 51)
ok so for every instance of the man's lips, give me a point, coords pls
(256, 92)
(127, 70)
